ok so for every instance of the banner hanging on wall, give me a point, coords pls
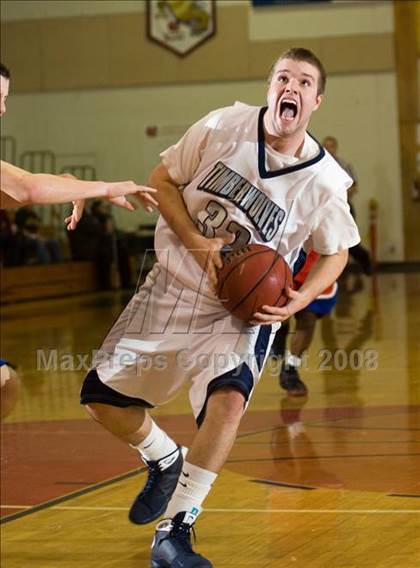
(284, 2)
(181, 25)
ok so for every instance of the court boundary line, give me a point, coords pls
(283, 484)
(72, 495)
(132, 473)
(326, 457)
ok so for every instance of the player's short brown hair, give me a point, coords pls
(4, 72)
(302, 54)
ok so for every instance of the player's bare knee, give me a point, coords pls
(104, 413)
(121, 421)
(226, 404)
(96, 410)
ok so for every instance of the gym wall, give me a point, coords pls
(86, 83)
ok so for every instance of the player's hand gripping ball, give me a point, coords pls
(253, 276)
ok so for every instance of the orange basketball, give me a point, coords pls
(253, 276)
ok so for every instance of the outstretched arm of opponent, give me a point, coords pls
(19, 187)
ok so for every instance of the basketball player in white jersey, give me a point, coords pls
(248, 175)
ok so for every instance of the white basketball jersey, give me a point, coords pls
(233, 183)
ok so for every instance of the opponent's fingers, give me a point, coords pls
(145, 195)
(77, 213)
(146, 189)
(122, 202)
(120, 188)
(147, 201)
(78, 208)
(71, 224)
(127, 205)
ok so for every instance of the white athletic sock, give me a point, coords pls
(293, 360)
(194, 483)
(156, 445)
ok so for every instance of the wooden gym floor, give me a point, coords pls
(331, 481)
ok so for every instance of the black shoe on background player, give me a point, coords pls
(290, 381)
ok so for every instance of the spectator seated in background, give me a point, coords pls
(30, 246)
(138, 246)
(358, 252)
(94, 239)
(7, 238)
(97, 238)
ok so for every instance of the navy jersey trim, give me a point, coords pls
(262, 344)
(264, 173)
(240, 378)
(94, 390)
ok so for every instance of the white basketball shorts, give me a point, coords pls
(169, 335)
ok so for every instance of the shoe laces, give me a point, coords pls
(182, 533)
(153, 474)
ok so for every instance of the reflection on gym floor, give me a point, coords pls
(322, 476)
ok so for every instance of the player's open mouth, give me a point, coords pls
(288, 109)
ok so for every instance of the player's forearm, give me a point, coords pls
(47, 188)
(172, 206)
(323, 274)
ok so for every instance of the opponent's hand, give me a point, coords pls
(270, 314)
(117, 191)
(119, 188)
(122, 202)
(78, 206)
(207, 253)
(72, 220)
(146, 199)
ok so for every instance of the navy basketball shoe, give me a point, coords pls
(291, 381)
(171, 546)
(162, 479)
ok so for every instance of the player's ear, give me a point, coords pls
(318, 101)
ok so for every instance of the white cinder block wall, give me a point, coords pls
(106, 127)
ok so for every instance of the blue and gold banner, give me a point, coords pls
(284, 2)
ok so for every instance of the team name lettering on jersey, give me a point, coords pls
(264, 214)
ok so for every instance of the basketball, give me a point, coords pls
(253, 276)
